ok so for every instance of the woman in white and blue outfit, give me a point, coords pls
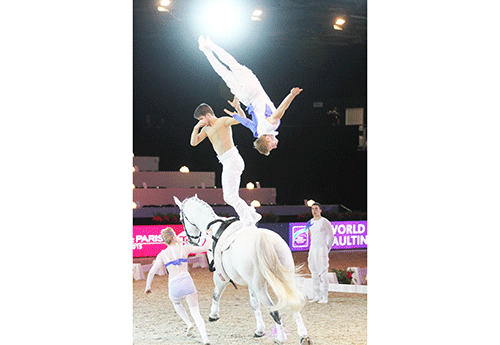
(180, 283)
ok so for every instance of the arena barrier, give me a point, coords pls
(306, 287)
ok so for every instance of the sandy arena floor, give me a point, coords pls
(342, 321)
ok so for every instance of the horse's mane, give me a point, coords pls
(195, 198)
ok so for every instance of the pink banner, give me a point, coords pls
(147, 239)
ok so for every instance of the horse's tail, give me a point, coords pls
(280, 278)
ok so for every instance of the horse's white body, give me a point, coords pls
(250, 256)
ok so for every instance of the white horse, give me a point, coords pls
(248, 256)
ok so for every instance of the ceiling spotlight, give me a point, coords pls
(340, 21)
(310, 202)
(165, 2)
(184, 169)
(256, 15)
(163, 9)
(250, 185)
(336, 27)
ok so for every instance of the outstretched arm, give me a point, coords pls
(152, 272)
(236, 105)
(278, 114)
(228, 121)
(197, 136)
(203, 248)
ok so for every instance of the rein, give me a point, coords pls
(190, 237)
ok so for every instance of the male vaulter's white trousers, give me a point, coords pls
(232, 168)
(318, 265)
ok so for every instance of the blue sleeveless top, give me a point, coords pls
(252, 124)
(176, 262)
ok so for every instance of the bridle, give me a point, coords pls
(190, 237)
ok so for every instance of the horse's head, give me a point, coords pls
(189, 219)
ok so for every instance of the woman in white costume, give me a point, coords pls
(246, 88)
(321, 233)
(180, 283)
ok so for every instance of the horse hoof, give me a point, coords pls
(306, 341)
(212, 319)
(258, 335)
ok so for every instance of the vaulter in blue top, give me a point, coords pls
(180, 282)
(246, 88)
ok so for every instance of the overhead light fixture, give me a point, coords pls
(340, 21)
(310, 202)
(256, 16)
(250, 185)
(163, 6)
(184, 169)
(221, 14)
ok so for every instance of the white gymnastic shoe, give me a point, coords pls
(323, 300)
(209, 44)
(314, 300)
(201, 44)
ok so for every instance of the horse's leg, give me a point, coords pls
(218, 290)
(281, 336)
(301, 329)
(255, 303)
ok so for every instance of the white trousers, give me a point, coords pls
(232, 168)
(318, 263)
(242, 82)
(240, 79)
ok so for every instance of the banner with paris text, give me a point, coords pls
(147, 239)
